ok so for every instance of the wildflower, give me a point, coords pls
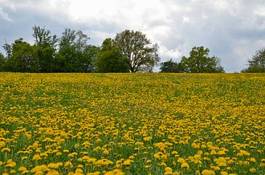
(185, 165)
(243, 153)
(160, 156)
(208, 172)
(221, 161)
(52, 172)
(23, 170)
(115, 172)
(161, 145)
(94, 173)
(68, 164)
(168, 171)
(223, 173)
(36, 157)
(252, 170)
(2, 144)
(127, 162)
(195, 145)
(147, 139)
(39, 169)
(103, 162)
(55, 165)
(5, 150)
(10, 163)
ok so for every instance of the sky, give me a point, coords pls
(233, 30)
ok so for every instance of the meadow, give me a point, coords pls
(114, 124)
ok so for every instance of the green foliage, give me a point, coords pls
(130, 51)
(89, 58)
(2, 62)
(139, 51)
(45, 48)
(199, 61)
(257, 63)
(23, 57)
(110, 58)
(74, 54)
(43, 36)
(8, 49)
(171, 66)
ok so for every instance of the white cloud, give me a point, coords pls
(4, 15)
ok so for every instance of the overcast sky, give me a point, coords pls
(232, 29)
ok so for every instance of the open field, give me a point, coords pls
(132, 124)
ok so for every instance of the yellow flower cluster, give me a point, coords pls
(117, 124)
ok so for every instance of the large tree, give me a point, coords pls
(257, 62)
(88, 59)
(45, 44)
(2, 62)
(74, 54)
(23, 57)
(171, 67)
(110, 58)
(42, 36)
(8, 49)
(139, 51)
(199, 61)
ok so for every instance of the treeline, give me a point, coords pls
(199, 61)
(129, 51)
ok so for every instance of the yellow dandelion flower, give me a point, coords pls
(185, 165)
(52, 172)
(55, 165)
(223, 173)
(221, 161)
(10, 163)
(208, 172)
(7, 150)
(23, 170)
(36, 157)
(2, 144)
(168, 171)
(243, 153)
(127, 162)
(115, 172)
(94, 173)
(252, 170)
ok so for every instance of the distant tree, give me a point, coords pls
(88, 58)
(8, 49)
(257, 63)
(110, 58)
(43, 36)
(199, 61)
(2, 62)
(45, 44)
(74, 54)
(23, 57)
(138, 50)
(171, 66)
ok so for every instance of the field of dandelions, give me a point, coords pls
(93, 124)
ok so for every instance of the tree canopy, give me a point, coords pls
(129, 51)
(257, 62)
(110, 58)
(139, 51)
(2, 62)
(171, 67)
(74, 54)
(45, 49)
(22, 58)
(199, 61)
